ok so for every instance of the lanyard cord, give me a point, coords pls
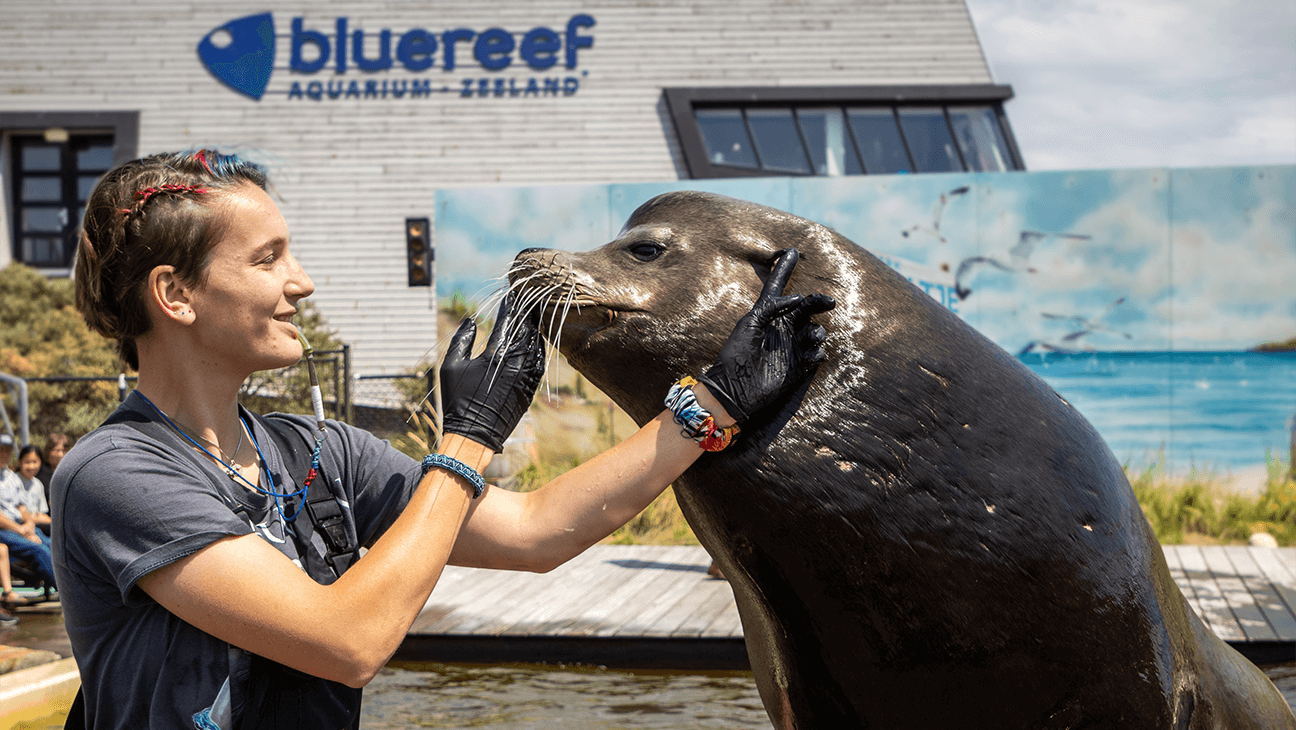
(273, 492)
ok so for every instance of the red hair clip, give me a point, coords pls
(142, 196)
(202, 157)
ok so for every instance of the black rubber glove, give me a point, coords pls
(485, 397)
(772, 347)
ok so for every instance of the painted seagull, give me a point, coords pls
(1017, 258)
(938, 211)
(1069, 342)
(1086, 326)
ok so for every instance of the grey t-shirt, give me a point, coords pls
(125, 504)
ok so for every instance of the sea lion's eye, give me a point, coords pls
(646, 251)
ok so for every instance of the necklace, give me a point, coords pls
(273, 492)
(226, 461)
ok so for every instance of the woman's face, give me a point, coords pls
(243, 311)
(55, 454)
(29, 465)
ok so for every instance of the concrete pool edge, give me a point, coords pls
(37, 692)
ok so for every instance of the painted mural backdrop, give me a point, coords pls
(1144, 297)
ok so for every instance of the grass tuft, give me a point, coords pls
(1198, 509)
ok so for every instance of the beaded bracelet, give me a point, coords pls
(458, 467)
(697, 423)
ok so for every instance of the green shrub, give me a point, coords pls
(1200, 509)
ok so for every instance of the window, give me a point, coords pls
(53, 161)
(878, 137)
(930, 144)
(827, 141)
(51, 183)
(726, 137)
(727, 132)
(980, 139)
(778, 142)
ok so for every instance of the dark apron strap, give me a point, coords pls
(76, 714)
(282, 698)
(322, 509)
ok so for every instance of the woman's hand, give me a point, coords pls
(485, 397)
(771, 348)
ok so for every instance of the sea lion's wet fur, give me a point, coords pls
(925, 534)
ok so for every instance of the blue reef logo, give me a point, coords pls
(241, 53)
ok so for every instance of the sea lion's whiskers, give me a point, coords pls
(489, 304)
(529, 300)
(555, 335)
(553, 315)
(547, 295)
(523, 281)
(562, 321)
(540, 297)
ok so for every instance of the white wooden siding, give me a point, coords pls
(348, 172)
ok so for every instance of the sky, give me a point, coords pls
(1145, 83)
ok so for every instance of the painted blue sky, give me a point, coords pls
(1155, 259)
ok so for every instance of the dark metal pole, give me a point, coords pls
(346, 382)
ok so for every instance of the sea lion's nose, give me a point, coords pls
(530, 261)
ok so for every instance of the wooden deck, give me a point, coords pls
(1245, 594)
(655, 606)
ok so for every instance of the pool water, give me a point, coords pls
(530, 696)
(572, 698)
(526, 697)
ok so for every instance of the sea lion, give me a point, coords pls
(924, 534)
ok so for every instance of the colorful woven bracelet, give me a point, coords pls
(458, 467)
(684, 408)
(697, 423)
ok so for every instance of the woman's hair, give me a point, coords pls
(155, 211)
(31, 449)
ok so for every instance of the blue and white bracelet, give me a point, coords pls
(698, 423)
(458, 467)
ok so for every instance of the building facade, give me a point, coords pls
(362, 109)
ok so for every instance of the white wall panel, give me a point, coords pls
(349, 171)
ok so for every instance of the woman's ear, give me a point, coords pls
(168, 297)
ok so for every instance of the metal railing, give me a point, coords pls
(382, 404)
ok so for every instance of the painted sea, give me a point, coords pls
(1219, 412)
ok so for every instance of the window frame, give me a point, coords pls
(681, 102)
(121, 126)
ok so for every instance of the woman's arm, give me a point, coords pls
(345, 631)
(540, 530)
